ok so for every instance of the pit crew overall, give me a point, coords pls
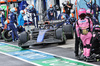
(3, 18)
(83, 29)
(94, 20)
(89, 14)
(72, 21)
(52, 14)
(34, 14)
(59, 17)
(22, 6)
(94, 9)
(12, 18)
(20, 23)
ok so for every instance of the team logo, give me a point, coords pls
(82, 21)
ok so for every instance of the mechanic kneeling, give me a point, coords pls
(63, 13)
(72, 20)
(63, 17)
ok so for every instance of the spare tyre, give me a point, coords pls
(6, 35)
(68, 31)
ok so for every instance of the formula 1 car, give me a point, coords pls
(46, 34)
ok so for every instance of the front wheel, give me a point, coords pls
(63, 39)
(61, 35)
(23, 38)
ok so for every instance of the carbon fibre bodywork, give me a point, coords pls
(46, 34)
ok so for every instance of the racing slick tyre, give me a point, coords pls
(61, 35)
(6, 35)
(24, 47)
(68, 31)
(1, 32)
(23, 38)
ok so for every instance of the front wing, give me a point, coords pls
(46, 41)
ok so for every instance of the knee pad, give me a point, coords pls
(88, 46)
(84, 47)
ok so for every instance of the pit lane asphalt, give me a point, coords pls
(60, 50)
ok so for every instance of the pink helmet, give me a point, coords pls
(82, 11)
(89, 11)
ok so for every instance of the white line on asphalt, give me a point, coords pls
(53, 55)
(66, 58)
(20, 59)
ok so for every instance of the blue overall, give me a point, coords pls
(54, 12)
(2, 20)
(94, 21)
(72, 20)
(94, 9)
(11, 25)
(20, 23)
(22, 6)
(34, 14)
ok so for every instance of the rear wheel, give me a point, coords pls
(7, 35)
(69, 31)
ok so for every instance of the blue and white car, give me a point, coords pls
(47, 33)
